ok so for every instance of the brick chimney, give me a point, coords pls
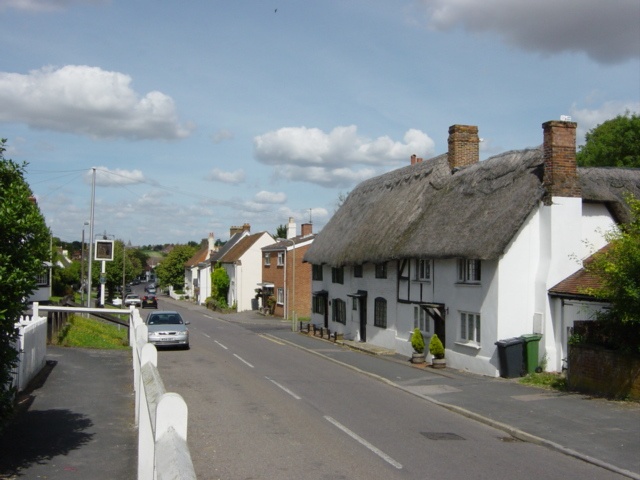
(464, 146)
(415, 159)
(244, 228)
(306, 229)
(559, 152)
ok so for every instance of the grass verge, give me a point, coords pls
(547, 380)
(88, 333)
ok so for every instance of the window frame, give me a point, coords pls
(339, 311)
(280, 296)
(337, 275)
(281, 258)
(380, 312)
(267, 259)
(317, 272)
(421, 319)
(381, 270)
(357, 271)
(423, 270)
(469, 271)
(318, 304)
(470, 328)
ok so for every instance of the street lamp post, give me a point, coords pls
(82, 282)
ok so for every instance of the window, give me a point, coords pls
(267, 259)
(318, 303)
(316, 272)
(280, 259)
(354, 303)
(468, 271)
(381, 270)
(470, 327)
(423, 269)
(339, 311)
(421, 319)
(280, 296)
(43, 278)
(337, 275)
(357, 271)
(380, 313)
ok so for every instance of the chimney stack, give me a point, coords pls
(464, 146)
(211, 242)
(560, 168)
(306, 229)
(291, 228)
(244, 228)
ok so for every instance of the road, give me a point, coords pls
(262, 409)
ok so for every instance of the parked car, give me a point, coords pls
(151, 290)
(132, 299)
(166, 328)
(150, 301)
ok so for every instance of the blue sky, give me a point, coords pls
(201, 115)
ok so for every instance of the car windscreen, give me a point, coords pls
(164, 320)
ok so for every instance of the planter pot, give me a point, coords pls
(438, 363)
(418, 357)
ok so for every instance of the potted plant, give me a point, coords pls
(436, 349)
(417, 342)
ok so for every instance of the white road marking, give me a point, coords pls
(269, 337)
(284, 388)
(216, 341)
(243, 360)
(208, 316)
(362, 441)
(206, 335)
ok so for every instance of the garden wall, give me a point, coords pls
(599, 371)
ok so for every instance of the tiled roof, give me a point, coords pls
(574, 285)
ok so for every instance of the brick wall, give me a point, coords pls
(605, 372)
(560, 169)
(464, 146)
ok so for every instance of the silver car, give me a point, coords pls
(166, 328)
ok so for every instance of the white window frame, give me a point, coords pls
(423, 270)
(267, 259)
(280, 297)
(470, 327)
(469, 271)
(421, 319)
(280, 259)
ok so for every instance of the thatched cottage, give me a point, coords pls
(466, 249)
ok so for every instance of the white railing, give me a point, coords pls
(161, 416)
(31, 345)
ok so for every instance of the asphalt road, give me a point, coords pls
(262, 409)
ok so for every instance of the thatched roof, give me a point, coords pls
(425, 210)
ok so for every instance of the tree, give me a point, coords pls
(220, 285)
(170, 272)
(23, 249)
(614, 143)
(281, 232)
(618, 268)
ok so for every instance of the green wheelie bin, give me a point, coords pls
(531, 349)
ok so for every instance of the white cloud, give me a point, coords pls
(270, 197)
(87, 101)
(588, 119)
(114, 178)
(217, 175)
(222, 136)
(338, 158)
(607, 33)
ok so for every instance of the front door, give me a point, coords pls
(325, 299)
(362, 308)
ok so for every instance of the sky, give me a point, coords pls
(198, 116)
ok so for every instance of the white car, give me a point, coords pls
(132, 299)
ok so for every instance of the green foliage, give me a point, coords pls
(122, 258)
(435, 347)
(23, 249)
(546, 380)
(88, 333)
(220, 284)
(618, 268)
(614, 143)
(281, 232)
(417, 341)
(215, 304)
(170, 272)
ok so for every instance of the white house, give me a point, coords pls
(243, 264)
(466, 249)
(191, 267)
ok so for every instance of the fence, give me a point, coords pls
(161, 416)
(31, 345)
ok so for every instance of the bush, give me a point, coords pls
(435, 347)
(417, 341)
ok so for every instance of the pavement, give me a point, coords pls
(76, 419)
